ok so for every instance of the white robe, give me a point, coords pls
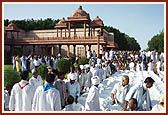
(88, 82)
(82, 80)
(92, 100)
(6, 99)
(73, 89)
(131, 65)
(158, 108)
(120, 92)
(150, 66)
(36, 82)
(137, 93)
(21, 99)
(105, 73)
(46, 100)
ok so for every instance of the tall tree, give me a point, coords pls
(157, 43)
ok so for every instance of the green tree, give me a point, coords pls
(157, 43)
(63, 65)
(42, 71)
(124, 41)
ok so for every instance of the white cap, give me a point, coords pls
(161, 99)
(87, 65)
(72, 76)
(59, 54)
(82, 67)
(95, 80)
(33, 71)
(103, 63)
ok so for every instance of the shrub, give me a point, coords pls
(42, 71)
(83, 60)
(10, 76)
(63, 65)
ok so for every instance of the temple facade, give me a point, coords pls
(73, 36)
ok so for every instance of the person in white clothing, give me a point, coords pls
(150, 66)
(36, 62)
(7, 93)
(92, 101)
(47, 97)
(131, 65)
(88, 77)
(159, 64)
(73, 87)
(160, 106)
(22, 94)
(69, 106)
(120, 90)
(94, 54)
(88, 54)
(140, 93)
(36, 79)
(133, 105)
(138, 66)
(105, 71)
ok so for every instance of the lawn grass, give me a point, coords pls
(11, 76)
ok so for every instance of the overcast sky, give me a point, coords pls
(141, 21)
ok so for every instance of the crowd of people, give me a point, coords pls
(58, 93)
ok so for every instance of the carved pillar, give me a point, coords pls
(69, 29)
(74, 30)
(11, 50)
(68, 51)
(84, 50)
(65, 32)
(84, 29)
(98, 45)
(89, 47)
(61, 33)
(94, 32)
(46, 50)
(57, 32)
(52, 50)
(59, 50)
(33, 49)
(74, 50)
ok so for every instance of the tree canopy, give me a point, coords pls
(31, 24)
(124, 41)
(157, 43)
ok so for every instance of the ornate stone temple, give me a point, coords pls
(73, 36)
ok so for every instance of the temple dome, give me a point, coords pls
(97, 22)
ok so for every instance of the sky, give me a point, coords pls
(141, 21)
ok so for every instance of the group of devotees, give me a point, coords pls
(60, 93)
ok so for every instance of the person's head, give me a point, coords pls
(93, 64)
(24, 75)
(9, 87)
(161, 100)
(50, 78)
(35, 73)
(87, 69)
(149, 82)
(82, 68)
(125, 80)
(132, 103)
(72, 78)
(70, 99)
(95, 80)
(61, 75)
(79, 71)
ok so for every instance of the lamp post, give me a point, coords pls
(98, 43)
